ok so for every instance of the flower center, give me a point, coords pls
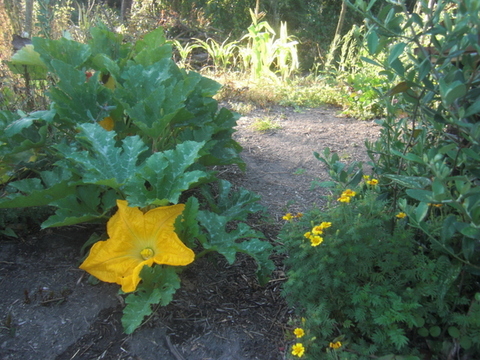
(147, 253)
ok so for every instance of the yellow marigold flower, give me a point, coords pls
(299, 215)
(107, 123)
(137, 239)
(372, 182)
(349, 192)
(299, 332)
(316, 240)
(325, 224)
(401, 215)
(287, 217)
(298, 350)
(308, 234)
(335, 345)
(366, 177)
(344, 199)
(317, 230)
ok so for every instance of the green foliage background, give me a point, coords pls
(402, 287)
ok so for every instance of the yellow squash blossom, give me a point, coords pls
(299, 332)
(298, 350)
(137, 239)
(107, 123)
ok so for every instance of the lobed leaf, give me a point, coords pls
(88, 203)
(159, 284)
(104, 163)
(228, 244)
(165, 176)
(232, 205)
(49, 187)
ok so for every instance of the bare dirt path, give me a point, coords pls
(281, 164)
(49, 311)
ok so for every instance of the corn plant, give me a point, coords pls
(223, 55)
(184, 51)
(263, 52)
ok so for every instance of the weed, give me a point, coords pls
(265, 124)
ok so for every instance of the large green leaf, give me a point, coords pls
(186, 225)
(105, 163)
(107, 43)
(27, 60)
(88, 203)
(412, 182)
(49, 187)
(76, 99)
(219, 239)
(17, 126)
(228, 244)
(152, 48)
(234, 205)
(165, 176)
(68, 51)
(154, 96)
(158, 286)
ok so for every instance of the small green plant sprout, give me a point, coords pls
(299, 171)
(265, 124)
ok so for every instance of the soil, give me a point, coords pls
(49, 310)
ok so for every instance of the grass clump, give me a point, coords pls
(265, 124)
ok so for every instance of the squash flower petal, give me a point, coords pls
(137, 239)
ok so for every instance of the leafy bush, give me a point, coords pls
(419, 296)
(366, 285)
(429, 145)
(125, 123)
